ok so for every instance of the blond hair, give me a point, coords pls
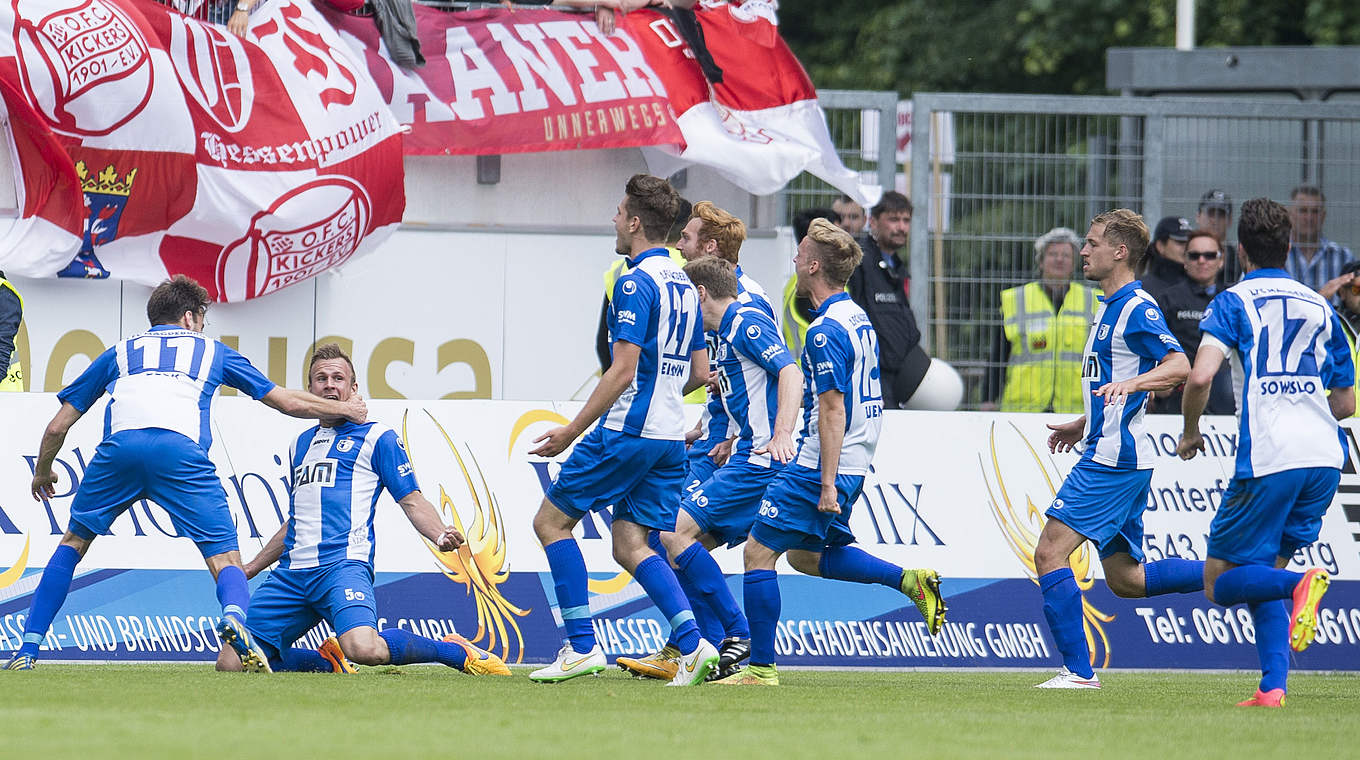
(1126, 228)
(838, 253)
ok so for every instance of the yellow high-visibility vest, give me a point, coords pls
(1044, 371)
(13, 380)
(1355, 352)
(615, 271)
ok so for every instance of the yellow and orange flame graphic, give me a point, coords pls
(16, 571)
(480, 563)
(1022, 533)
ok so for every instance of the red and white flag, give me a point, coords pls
(249, 164)
(46, 234)
(761, 126)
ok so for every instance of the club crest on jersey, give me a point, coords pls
(1152, 314)
(629, 287)
(819, 340)
(753, 332)
(344, 445)
(1103, 332)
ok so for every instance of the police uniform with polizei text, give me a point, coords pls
(1105, 494)
(11, 314)
(326, 570)
(634, 458)
(1287, 347)
(841, 354)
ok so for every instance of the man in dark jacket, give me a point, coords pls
(1183, 304)
(880, 286)
(1164, 264)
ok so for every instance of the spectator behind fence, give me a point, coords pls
(11, 314)
(1314, 260)
(1349, 310)
(880, 285)
(1043, 335)
(798, 311)
(851, 215)
(1183, 305)
(1164, 264)
(1215, 215)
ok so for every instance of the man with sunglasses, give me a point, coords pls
(1183, 304)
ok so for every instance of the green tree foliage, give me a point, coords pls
(1035, 46)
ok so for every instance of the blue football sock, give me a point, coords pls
(47, 600)
(703, 573)
(1272, 642)
(1173, 576)
(848, 563)
(573, 596)
(761, 591)
(233, 592)
(1062, 609)
(406, 648)
(1254, 583)
(299, 660)
(710, 625)
(655, 576)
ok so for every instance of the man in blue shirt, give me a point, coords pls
(325, 548)
(1130, 353)
(805, 511)
(634, 459)
(157, 432)
(1292, 367)
(1314, 260)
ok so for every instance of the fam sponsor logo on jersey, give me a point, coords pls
(320, 472)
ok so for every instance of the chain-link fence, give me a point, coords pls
(999, 171)
(862, 124)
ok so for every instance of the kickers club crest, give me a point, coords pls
(86, 69)
(306, 231)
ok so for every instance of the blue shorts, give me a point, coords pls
(1271, 516)
(1106, 505)
(725, 505)
(788, 517)
(166, 468)
(640, 477)
(291, 602)
(699, 467)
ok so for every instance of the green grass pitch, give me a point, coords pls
(188, 711)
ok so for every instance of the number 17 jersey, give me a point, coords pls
(1286, 348)
(656, 308)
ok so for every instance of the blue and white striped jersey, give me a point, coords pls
(656, 308)
(713, 422)
(750, 353)
(1129, 337)
(841, 354)
(1286, 348)
(337, 475)
(164, 378)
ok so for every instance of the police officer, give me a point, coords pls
(1183, 304)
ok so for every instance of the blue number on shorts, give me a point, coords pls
(180, 353)
(869, 386)
(1289, 329)
(676, 345)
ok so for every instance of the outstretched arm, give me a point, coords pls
(612, 385)
(427, 522)
(269, 553)
(302, 404)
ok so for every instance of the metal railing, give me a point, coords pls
(997, 171)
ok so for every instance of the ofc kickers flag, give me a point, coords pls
(249, 164)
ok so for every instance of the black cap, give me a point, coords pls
(1174, 228)
(1350, 266)
(1216, 199)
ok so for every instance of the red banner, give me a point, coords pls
(503, 81)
